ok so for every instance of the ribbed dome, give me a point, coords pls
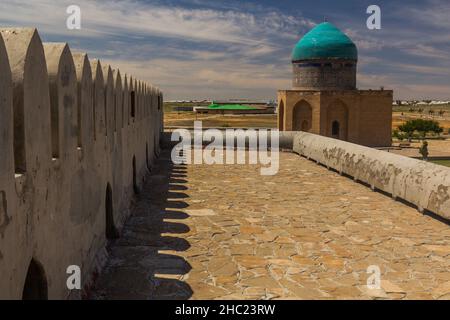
(325, 41)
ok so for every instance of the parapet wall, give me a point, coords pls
(423, 184)
(77, 138)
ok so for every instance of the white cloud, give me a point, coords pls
(435, 13)
(215, 79)
(236, 39)
(100, 18)
(229, 50)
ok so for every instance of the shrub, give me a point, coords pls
(422, 126)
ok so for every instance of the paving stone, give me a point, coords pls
(304, 233)
(442, 290)
(390, 287)
(260, 282)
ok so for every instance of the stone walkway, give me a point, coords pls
(215, 232)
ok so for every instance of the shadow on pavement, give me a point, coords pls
(136, 268)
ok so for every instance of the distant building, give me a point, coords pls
(242, 102)
(324, 99)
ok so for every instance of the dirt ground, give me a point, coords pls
(399, 118)
(186, 119)
(436, 148)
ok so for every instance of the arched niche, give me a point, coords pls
(337, 120)
(35, 287)
(281, 116)
(302, 116)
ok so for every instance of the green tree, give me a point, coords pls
(408, 129)
(395, 134)
(422, 126)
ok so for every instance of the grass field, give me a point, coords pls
(442, 162)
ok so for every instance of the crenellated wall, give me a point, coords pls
(75, 149)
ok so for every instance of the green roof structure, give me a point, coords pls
(325, 41)
(230, 107)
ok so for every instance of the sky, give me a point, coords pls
(214, 49)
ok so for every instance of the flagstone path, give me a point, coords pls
(226, 232)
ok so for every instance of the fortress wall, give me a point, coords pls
(63, 101)
(109, 101)
(136, 99)
(152, 115)
(423, 184)
(7, 184)
(99, 99)
(145, 100)
(141, 101)
(118, 91)
(126, 101)
(6, 126)
(131, 88)
(32, 155)
(66, 170)
(85, 107)
(159, 117)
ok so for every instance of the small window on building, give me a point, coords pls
(335, 128)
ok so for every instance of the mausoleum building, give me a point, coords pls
(324, 98)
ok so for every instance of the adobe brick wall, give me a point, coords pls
(365, 116)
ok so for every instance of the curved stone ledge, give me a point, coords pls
(423, 184)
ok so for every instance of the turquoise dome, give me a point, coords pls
(325, 41)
